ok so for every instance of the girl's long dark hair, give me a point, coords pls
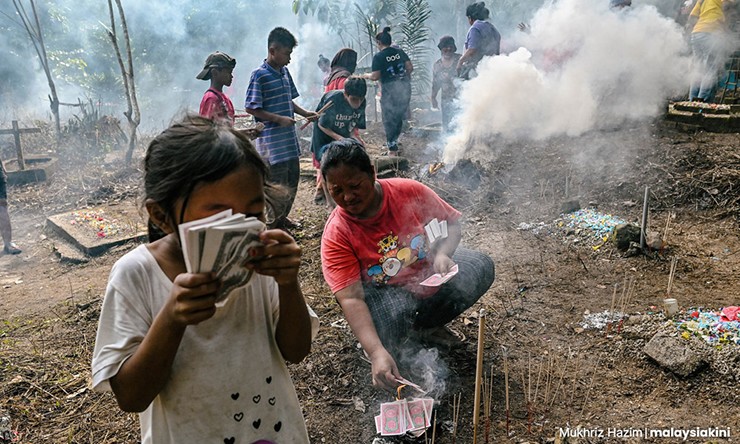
(348, 152)
(477, 11)
(345, 58)
(191, 151)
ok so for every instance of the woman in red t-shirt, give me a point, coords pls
(342, 67)
(381, 242)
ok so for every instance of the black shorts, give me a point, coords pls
(3, 183)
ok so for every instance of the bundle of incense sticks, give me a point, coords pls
(487, 402)
(455, 414)
(671, 275)
(506, 386)
(627, 293)
(319, 113)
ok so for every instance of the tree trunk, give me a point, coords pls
(132, 113)
(33, 28)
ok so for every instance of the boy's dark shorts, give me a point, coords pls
(3, 183)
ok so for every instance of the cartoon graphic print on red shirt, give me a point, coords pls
(391, 248)
(395, 257)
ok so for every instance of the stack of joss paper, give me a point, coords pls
(437, 230)
(220, 243)
(409, 415)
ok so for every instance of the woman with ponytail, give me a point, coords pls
(483, 39)
(393, 68)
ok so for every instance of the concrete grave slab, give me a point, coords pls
(96, 230)
(37, 169)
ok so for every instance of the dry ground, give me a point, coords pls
(545, 283)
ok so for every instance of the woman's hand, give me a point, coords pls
(193, 298)
(384, 372)
(442, 264)
(280, 257)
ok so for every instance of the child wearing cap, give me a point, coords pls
(219, 68)
(443, 74)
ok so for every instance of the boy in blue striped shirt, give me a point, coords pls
(269, 99)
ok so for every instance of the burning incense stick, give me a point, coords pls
(490, 394)
(671, 275)
(562, 376)
(486, 389)
(478, 372)
(665, 232)
(529, 377)
(537, 386)
(628, 296)
(529, 393)
(488, 401)
(590, 386)
(548, 379)
(574, 386)
(506, 385)
(434, 427)
(525, 397)
(611, 311)
(643, 227)
(318, 114)
(455, 414)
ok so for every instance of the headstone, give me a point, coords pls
(96, 230)
(674, 354)
(16, 132)
(624, 234)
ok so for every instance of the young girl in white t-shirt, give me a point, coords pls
(194, 371)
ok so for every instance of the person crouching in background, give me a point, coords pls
(339, 121)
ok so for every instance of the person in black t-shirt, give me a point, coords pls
(393, 68)
(339, 121)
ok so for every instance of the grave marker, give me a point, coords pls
(16, 132)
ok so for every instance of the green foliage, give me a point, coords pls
(368, 25)
(68, 65)
(414, 15)
(88, 135)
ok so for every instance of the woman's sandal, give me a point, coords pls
(11, 248)
(319, 198)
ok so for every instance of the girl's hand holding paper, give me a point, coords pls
(279, 257)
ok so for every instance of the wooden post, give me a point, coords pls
(643, 226)
(16, 132)
(478, 372)
(18, 149)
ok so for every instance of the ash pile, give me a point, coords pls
(465, 184)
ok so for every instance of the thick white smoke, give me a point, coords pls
(584, 66)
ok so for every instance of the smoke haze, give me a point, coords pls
(582, 66)
(620, 59)
(170, 42)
